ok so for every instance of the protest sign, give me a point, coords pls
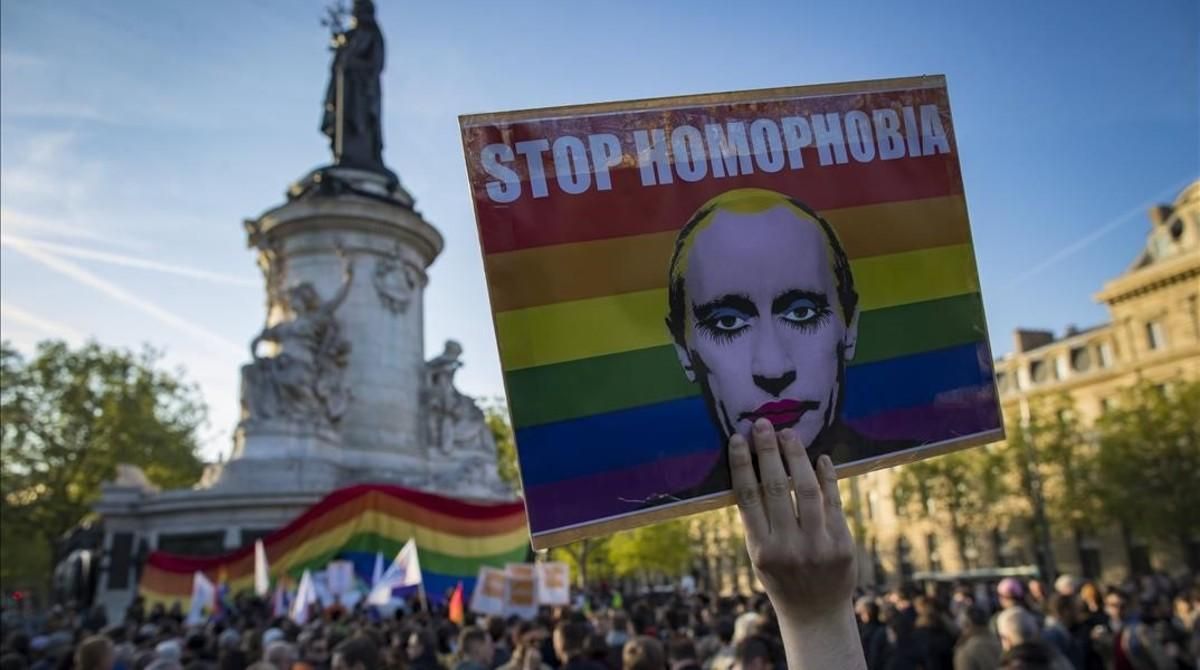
(339, 577)
(553, 583)
(488, 597)
(664, 272)
(520, 595)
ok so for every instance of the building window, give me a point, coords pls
(872, 501)
(1002, 381)
(1038, 371)
(1060, 367)
(1106, 354)
(1155, 337)
(935, 560)
(1081, 360)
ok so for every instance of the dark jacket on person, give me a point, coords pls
(874, 642)
(936, 646)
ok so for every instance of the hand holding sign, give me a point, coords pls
(801, 551)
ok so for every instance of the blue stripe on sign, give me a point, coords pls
(913, 381)
(627, 438)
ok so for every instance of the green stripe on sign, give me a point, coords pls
(433, 561)
(574, 389)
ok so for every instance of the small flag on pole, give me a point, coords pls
(456, 613)
(405, 570)
(281, 601)
(262, 572)
(204, 596)
(377, 573)
(306, 595)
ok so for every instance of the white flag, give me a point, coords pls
(405, 570)
(306, 595)
(262, 574)
(488, 596)
(553, 583)
(203, 595)
(377, 573)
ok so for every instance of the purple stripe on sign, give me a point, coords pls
(963, 411)
(615, 492)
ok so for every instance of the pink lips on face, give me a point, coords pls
(782, 413)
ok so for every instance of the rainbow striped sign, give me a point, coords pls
(662, 272)
(454, 539)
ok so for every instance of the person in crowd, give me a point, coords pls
(280, 655)
(421, 651)
(94, 653)
(681, 653)
(871, 631)
(570, 646)
(1057, 627)
(1023, 648)
(498, 630)
(977, 648)
(356, 653)
(723, 657)
(475, 650)
(643, 653)
(1124, 641)
(932, 637)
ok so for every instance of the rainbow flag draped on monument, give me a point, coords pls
(662, 272)
(454, 538)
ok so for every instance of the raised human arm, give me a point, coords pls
(801, 550)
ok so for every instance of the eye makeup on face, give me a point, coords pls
(728, 316)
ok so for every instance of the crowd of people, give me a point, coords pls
(1152, 624)
(801, 549)
(1147, 624)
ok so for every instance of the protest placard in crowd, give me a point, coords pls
(488, 597)
(662, 273)
(553, 583)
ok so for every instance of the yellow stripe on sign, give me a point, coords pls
(915, 276)
(612, 324)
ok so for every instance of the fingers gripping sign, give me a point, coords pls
(799, 544)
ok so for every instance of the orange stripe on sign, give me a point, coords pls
(565, 272)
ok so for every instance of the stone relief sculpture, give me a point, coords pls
(458, 429)
(444, 401)
(395, 281)
(303, 381)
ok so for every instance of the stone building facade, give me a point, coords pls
(1153, 336)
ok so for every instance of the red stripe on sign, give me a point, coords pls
(631, 208)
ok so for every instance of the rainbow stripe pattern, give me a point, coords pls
(603, 414)
(454, 538)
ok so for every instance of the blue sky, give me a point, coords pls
(144, 132)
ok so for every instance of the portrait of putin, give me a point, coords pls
(763, 313)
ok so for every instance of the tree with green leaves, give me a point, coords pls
(661, 549)
(587, 558)
(1148, 465)
(495, 412)
(68, 417)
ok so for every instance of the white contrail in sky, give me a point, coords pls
(1096, 234)
(41, 323)
(126, 261)
(115, 292)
